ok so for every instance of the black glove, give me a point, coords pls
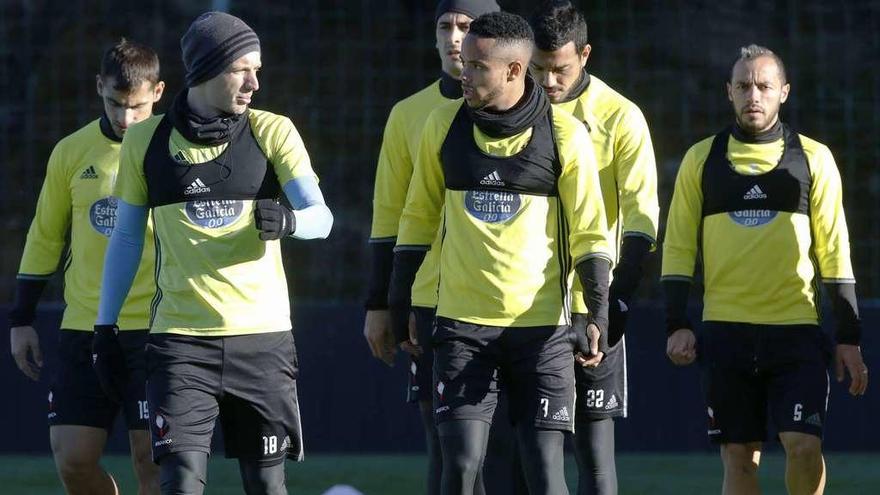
(274, 220)
(109, 361)
(617, 315)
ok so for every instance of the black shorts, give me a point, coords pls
(76, 396)
(535, 365)
(420, 368)
(249, 381)
(750, 372)
(601, 391)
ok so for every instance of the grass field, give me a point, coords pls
(654, 474)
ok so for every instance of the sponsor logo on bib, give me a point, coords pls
(102, 215)
(214, 214)
(492, 206)
(753, 218)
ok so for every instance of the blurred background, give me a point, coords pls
(337, 66)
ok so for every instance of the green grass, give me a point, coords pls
(654, 474)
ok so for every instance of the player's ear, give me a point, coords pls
(158, 89)
(585, 55)
(99, 85)
(515, 69)
(784, 92)
(729, 92)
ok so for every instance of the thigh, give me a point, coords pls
(75, 395)
(260, 408)
(134, 397)
(540, 376)
(735, 393)
(602, 391)
(183, 386)
(799, 384)
(421, 374)
(465, 371)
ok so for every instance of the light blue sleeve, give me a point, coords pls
(121, 260)
(313, 218)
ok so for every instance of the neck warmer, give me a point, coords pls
(578, 89)
(450, 87)
(532, 106)
(107, 129)
(770, 135)
(199, 130)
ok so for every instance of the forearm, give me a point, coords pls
(628, 272)
(121, 260)
(313, 219)
(593, 273)
(382, 254)
(848, 328)
(407, 262)
(27, 293)
(676, 293)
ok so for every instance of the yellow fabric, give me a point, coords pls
(507, 273)
(216, 281)
(627, 168)
(400, 144)
(76, 197)
(760, 274)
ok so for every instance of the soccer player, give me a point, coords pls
(393, 174)
(220, 344)
(628, 176)
(76, 198)
(517, 188)
(762, 207)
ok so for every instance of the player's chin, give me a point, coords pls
(237, 108)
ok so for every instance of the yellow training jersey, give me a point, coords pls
(760, 257)
(506, 253)
(400, 144)
(627, 168)
(76, 197)
(215, 277)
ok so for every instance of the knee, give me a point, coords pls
(263, 480)
(740, 459)
(803, 448)
(146, 470)
(72, 467)
(182, 473)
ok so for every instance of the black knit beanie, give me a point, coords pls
(470, 8)
(213, 41)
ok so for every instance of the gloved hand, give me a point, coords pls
(617, 315)
(108, 361)
(274, 220)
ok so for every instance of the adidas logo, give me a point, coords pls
(492, 179)
(755, 193)
(197, 187)
(814, 420)
(89, 173)
(612, 403)
(561, 415)
(179, 158)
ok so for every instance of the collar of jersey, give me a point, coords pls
(771, 135)
(578, 89)
(533, 105)
(450, 87)
(196, 129)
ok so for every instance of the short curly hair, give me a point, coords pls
(556, 24)
(504, 27)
